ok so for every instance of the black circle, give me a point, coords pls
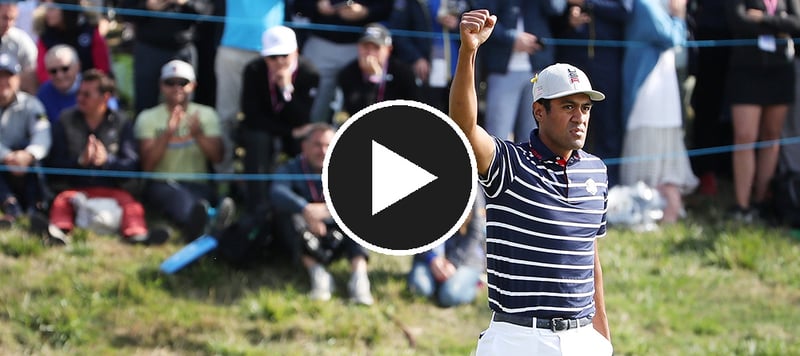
(420, 218)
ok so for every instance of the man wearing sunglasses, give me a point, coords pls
(180, 136)
(60, 91)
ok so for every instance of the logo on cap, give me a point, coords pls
(573, 76)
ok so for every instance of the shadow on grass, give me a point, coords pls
(694, 239)
(212, 279)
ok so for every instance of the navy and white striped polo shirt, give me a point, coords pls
(543, 215)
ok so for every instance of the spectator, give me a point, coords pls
(238, 47)
(711, 126)
(331, 50)
(20, 44)
(452, 270)
(590, 21)
(513, 54)
(61, 90)
(374, 76)
(181, 137)
(24, 141)
(91, 136)
(654, 151)
(304, 222)
(64, 24)
(759, 108)
(159, 39)
(432, 59)
(277, 95)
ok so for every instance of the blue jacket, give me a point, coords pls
(291, 196)
(417, 15)
(497, 49)
(652, 31)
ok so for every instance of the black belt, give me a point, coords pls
(555, 324)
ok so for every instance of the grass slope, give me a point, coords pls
(696, 288)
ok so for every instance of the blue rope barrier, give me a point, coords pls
(167, 176)
(395, 32)
(293, 177)
(705, 151)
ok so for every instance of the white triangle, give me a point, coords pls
(394, 177)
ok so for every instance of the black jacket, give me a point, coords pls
(359, 92)
(257, 102)
(168, 32)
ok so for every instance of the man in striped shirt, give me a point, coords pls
(546, 204)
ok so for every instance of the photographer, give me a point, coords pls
(304, 222)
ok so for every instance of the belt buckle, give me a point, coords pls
(558, 324)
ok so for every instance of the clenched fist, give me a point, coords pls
(476, 27)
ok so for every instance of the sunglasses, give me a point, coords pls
(276, 56)
(55, 70)
(172, 82)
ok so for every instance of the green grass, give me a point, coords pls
(700, 287)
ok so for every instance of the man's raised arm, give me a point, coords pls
(476, 27)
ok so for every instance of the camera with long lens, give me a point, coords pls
(322, 248)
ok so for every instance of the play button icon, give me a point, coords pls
(394, 177)
(399, 177)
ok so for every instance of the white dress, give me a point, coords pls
(653, 150)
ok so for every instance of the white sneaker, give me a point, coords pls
(359, 288)
(322, 284)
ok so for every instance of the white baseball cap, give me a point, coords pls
(560, 80)
(177, 69)
(278, 40)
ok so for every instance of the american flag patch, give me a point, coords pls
(573, 76)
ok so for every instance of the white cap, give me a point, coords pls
(559, 80)
(177, 69)
(278, 40)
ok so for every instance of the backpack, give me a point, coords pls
(244, 243)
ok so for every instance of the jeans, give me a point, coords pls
(24, 188)
(329, 58)
(228, 67)
(460, 288)
(176, 199)
(509, 106)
